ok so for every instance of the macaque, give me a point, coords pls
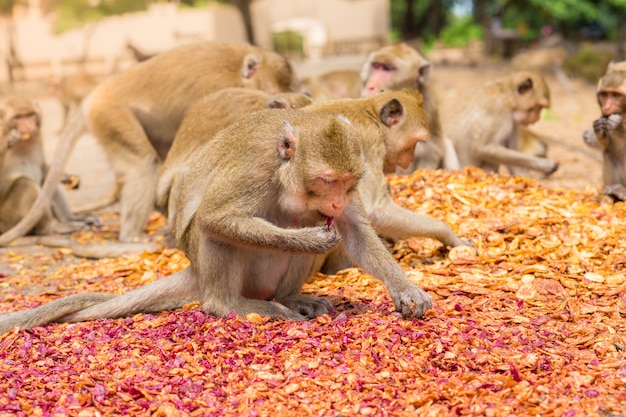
(135, 114)
(391, 123)
(334, 84)
(203, 120)
(485, 124)
(609, 133)
(22, 170)
(259, 203)
(398, 66)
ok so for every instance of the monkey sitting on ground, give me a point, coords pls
(391, 124)
(609, 132)
(135, 114)
(22, 171)
(485, 124)
(258, 204)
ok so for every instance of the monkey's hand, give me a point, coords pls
(410, 300)
(322, 238)
(13, 138)
(603, 125)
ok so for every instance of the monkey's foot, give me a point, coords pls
(615, 191)
(307, 305)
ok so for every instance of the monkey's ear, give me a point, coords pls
(250, 65)
(424, 71)
(276, 103)
(391, 113)
(525, 86)
(287, 142)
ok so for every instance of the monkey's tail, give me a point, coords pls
(50, 312)
(99, 251)
(67, 140)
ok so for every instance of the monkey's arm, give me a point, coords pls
(367, 251)
(244, 230)
(496, 154)
(394, 221)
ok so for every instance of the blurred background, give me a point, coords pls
(51, 39)
(56, 51)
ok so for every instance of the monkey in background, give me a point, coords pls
(260, 201)
(393, 67)
(22, 171)
(609, 133)
(485, 124)
(135, 114)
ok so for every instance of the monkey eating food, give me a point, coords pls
(22, 171)
(252, 229)
(609, 133)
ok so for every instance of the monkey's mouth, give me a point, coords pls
(329, 222)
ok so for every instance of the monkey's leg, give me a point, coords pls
(167, 293)
(222, 271)
(134, 162)
(288, 291)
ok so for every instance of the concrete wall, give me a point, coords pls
(328, 27)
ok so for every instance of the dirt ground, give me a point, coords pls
(573, 110)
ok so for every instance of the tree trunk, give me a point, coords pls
(244, 9)
(408, 23)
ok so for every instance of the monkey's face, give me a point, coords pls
(325, 196)
(611, 101)
(529, 116)
(25, 124)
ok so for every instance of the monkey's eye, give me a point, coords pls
(25, 115)
(382, 66)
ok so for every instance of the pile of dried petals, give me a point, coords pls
(531, 322)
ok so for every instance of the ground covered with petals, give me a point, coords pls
(529, 322)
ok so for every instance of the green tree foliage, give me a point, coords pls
(575, 19)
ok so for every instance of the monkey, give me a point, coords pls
(392, 123)
(259, 203)
(397, 66)
(135, 114)
(206, 117)
(484, 126)
(608, 133)
(344, 83)
(22, 170)
(616, 66)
